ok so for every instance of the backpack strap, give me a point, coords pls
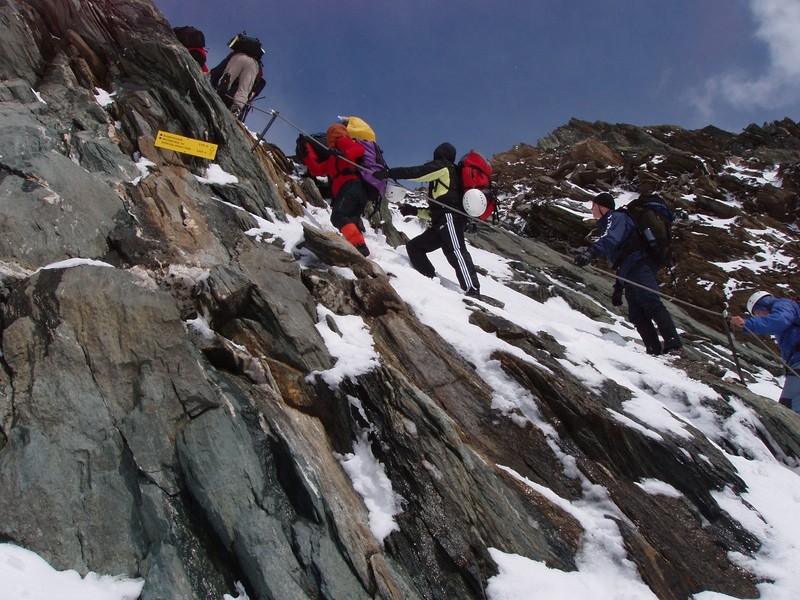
(456, 170)
(455, 174)
(633, 243)
(348, 170)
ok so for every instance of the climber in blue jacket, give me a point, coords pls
(621, 244)
(779, 317)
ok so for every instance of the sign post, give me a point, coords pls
(179, 143)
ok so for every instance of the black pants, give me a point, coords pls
(790, 395)
(348, 206)
(446, 232)
(647, 312)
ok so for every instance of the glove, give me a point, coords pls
(322, 153)
(301, 147)
(407, 210)
(616, 295)
(583, 259)
(381, 174)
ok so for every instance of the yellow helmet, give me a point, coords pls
(359, 129)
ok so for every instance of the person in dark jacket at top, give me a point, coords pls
(621, 243)
(779, 317)
(193, 40)
(348, 190)
(447, 221)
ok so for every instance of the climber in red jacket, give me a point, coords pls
(349, 194)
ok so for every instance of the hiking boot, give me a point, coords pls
(649, 336)
(473, 293)
(672, 345)
(666, 327)
(362, 248)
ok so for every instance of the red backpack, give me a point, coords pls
(476, 173)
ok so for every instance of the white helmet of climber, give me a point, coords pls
(394, 193)
(474, 202)
(755, 299)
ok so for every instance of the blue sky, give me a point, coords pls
(492, 74)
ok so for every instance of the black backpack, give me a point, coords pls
(259, 84)
(247, 44)
(190, 36)
(653, 219)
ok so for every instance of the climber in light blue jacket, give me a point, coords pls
(779, 317)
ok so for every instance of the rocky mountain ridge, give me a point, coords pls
(737, 196)
(163, 412)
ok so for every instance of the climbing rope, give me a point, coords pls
(275, 114)
(723, 315)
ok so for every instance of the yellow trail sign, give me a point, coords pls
(172, 141)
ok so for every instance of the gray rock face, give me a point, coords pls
(161, 409)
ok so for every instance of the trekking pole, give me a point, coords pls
(727, 321)
(724, 316)
(264, 131)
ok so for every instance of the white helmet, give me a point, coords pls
(394, 193)
(754, 299)
(474, 202)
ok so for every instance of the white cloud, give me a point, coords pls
(777, 24)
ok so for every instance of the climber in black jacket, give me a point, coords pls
(447, 225)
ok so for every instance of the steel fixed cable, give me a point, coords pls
(724, 314)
